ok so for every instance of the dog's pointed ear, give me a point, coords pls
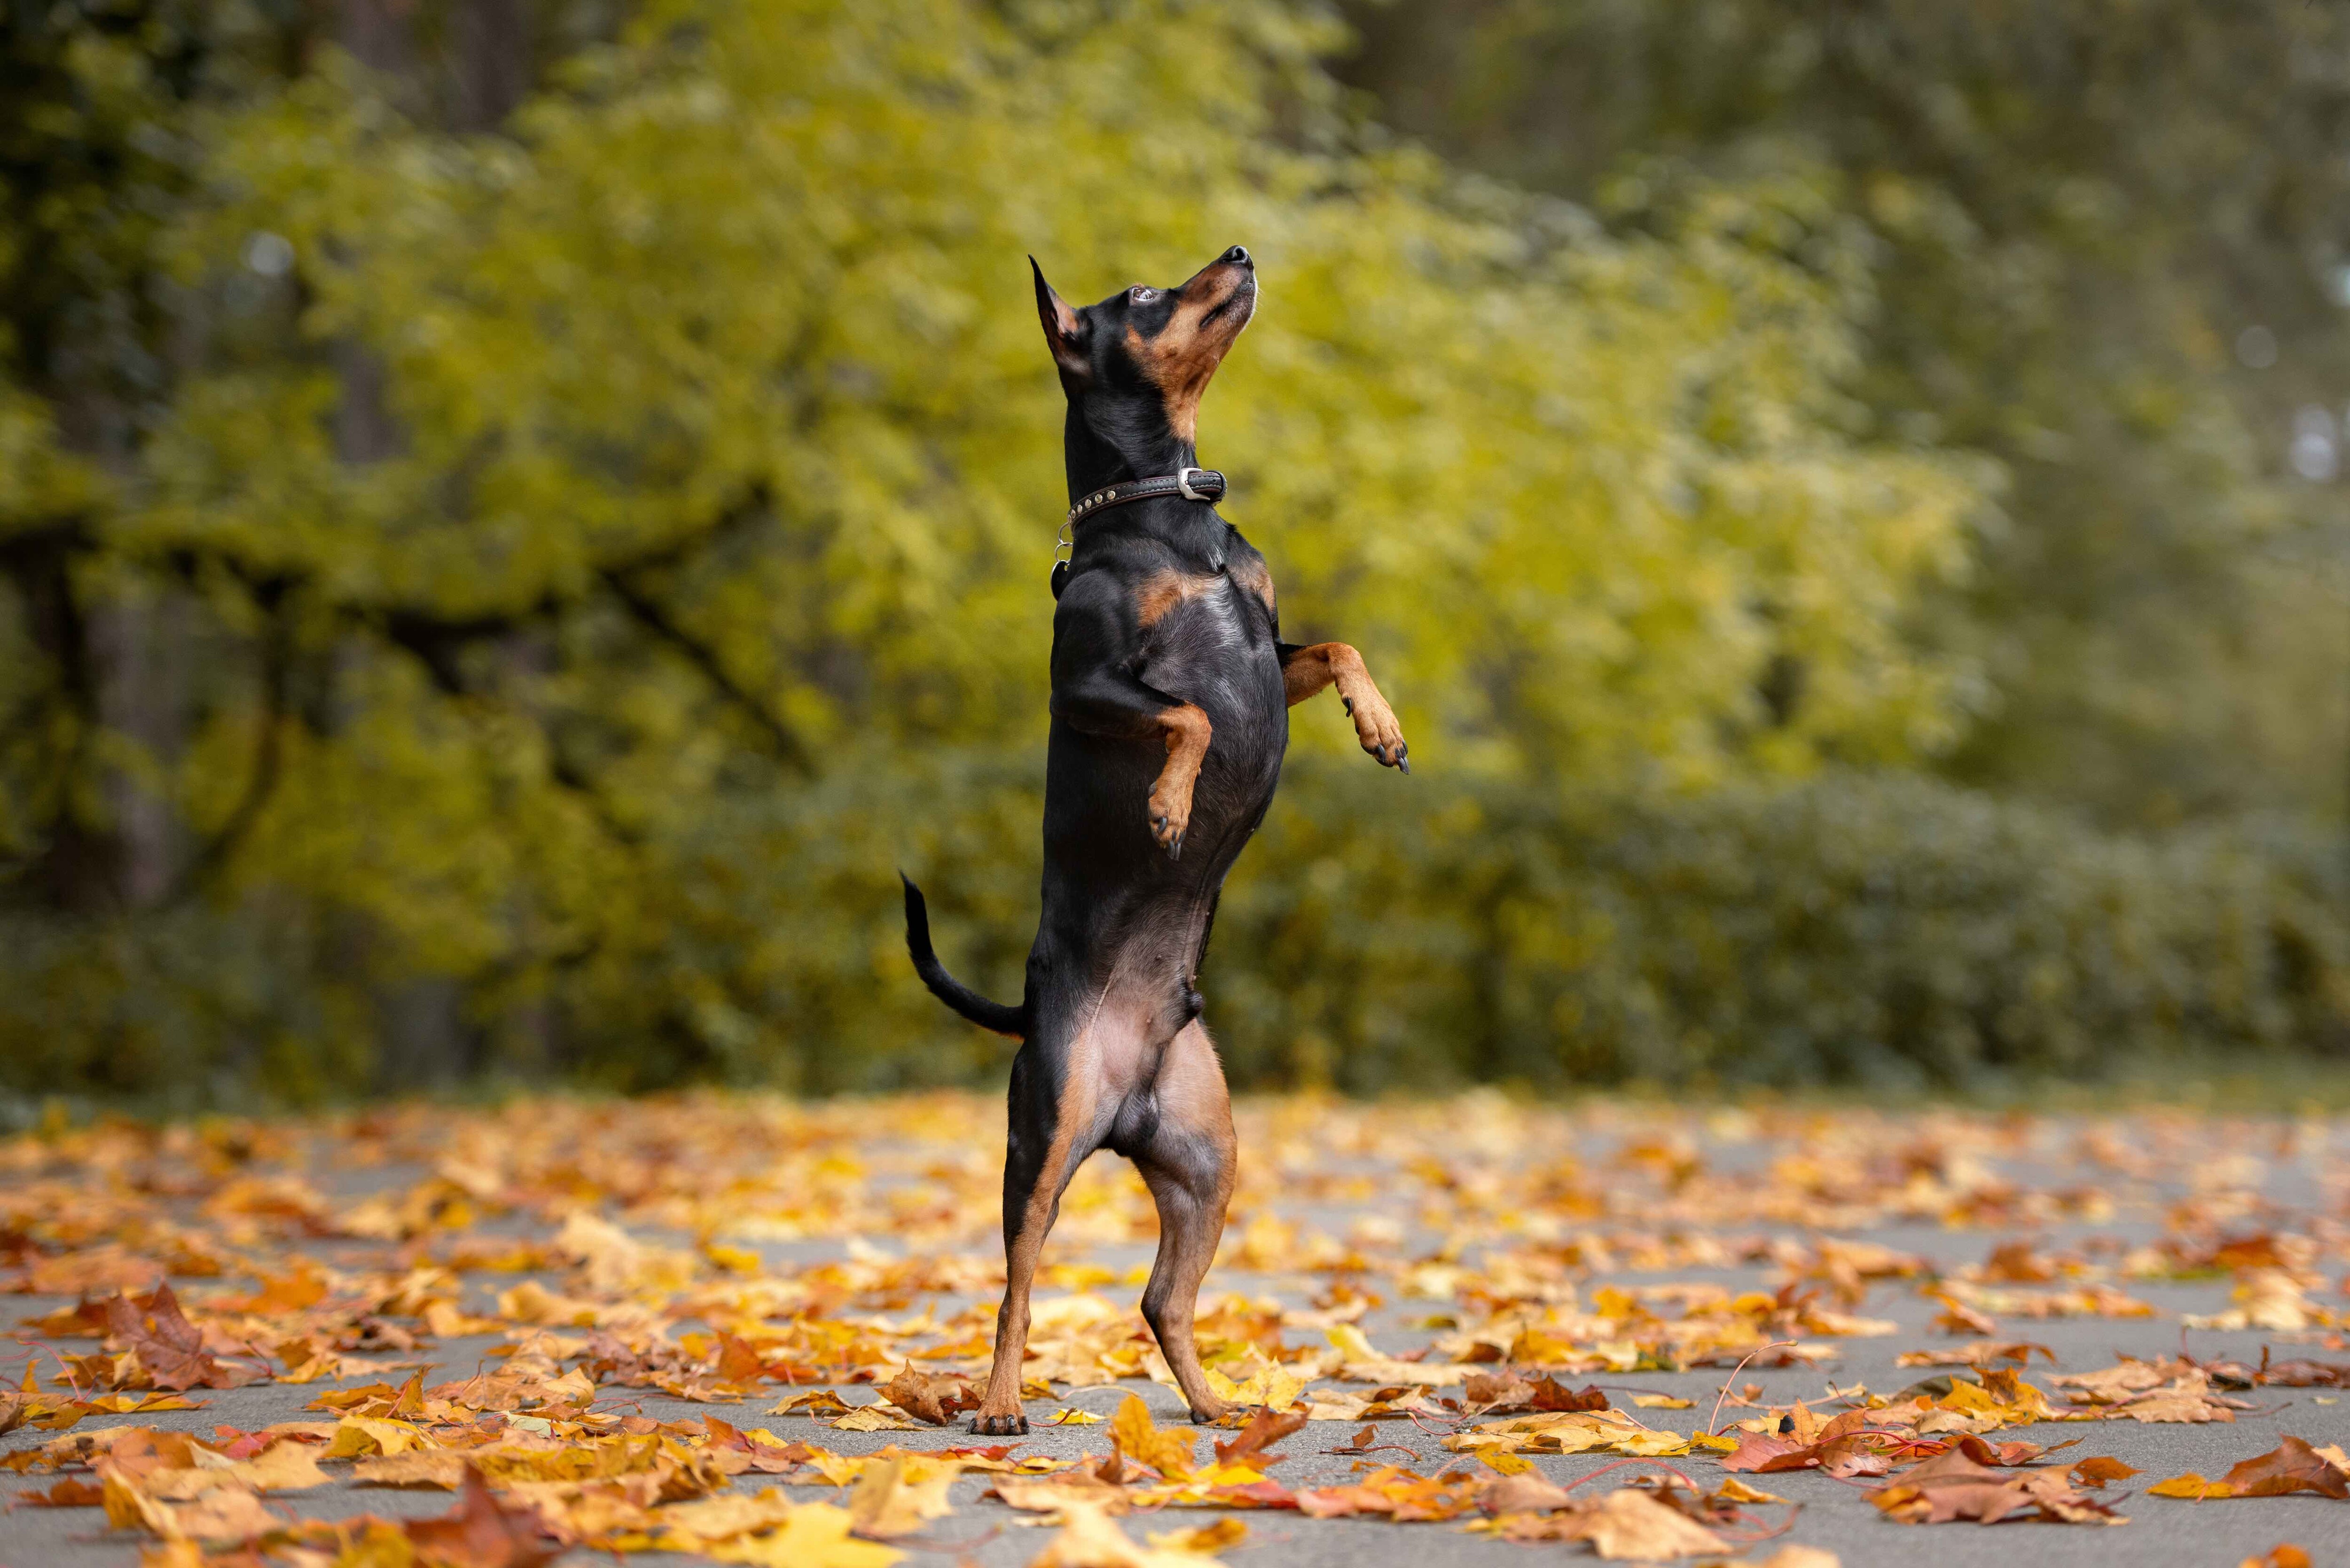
(1064, 329)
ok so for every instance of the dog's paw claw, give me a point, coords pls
(1015, 1426)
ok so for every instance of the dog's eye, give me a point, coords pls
(1142, 295)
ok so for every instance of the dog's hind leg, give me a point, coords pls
(1187, 1164)
(1054, 1095)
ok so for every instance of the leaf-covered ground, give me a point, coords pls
(1464, 1330)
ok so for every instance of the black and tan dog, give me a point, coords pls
(1171, 690)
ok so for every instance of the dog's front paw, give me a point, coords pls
(1381, 736)
(1015, 1425)
(1208, 1414)
(1170, 818)
(1168, 834)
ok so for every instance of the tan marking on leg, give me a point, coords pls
(999, 1413)
(1192, 1182)
(1310, 669)
(1163, 590)
(1187, 730)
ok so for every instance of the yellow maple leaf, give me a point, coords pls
(899, 1494)
(1273, 1386)
(2189, 1484)
(356, 1436)
(1202, 1538)
(1089, 1538)
(815, 1536)
(1172, 1454)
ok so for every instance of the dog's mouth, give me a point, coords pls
(1240, 299)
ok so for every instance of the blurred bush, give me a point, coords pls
(1872, 930)
(1875, 930)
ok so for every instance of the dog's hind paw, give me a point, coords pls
(1012, 1426)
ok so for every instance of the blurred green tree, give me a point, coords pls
(556, 571)
(2108, 244)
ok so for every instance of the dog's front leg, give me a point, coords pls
(1307, 670)
(1095, 642)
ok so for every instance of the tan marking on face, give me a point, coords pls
(1165, 590)
(1184, 358)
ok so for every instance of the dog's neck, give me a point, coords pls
(1137, 447)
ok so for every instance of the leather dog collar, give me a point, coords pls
(1191, 484)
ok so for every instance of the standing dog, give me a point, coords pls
(1171, 690)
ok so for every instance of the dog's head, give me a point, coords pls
(1144, 352)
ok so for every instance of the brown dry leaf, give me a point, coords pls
(70, 1493)
(285, 1467)
(929, 1396)
(702, 1524)
(1397, 1493)
(1976, 1353)
(1526, 1493)
(482, 1532)
(1630, 1522)
(169, 1349)
(1082, 1487)
(1266, 1428)
(2183, 1406)
(1951, 1488)
(1846, 1446)
(233, 1514)
(2292, 1466)
(2113, 1384)
(2099, 1470)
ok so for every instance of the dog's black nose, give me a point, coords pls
(1238, 255)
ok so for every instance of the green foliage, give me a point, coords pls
(563, 571)
(2075, 211)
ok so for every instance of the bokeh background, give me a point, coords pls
(518, 517)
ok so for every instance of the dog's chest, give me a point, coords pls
(1208, 639)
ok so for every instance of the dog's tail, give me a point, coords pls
(987, 1015)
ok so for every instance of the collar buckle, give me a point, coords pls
(1183, 485)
